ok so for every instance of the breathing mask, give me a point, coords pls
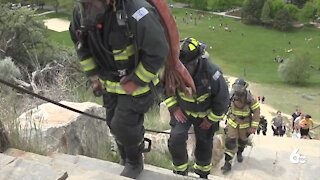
(92, 11)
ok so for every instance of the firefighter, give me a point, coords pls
(203, 110)
(263, 124)
(121, 46)
(243, 120)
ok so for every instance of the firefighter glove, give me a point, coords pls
(128, 85)
(205, 124)
(178, 114)
(252, 130)
(96, 85)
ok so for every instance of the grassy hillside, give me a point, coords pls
(248, 51)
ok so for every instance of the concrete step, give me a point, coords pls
(28, 156)
(18, 168)
(268, 158)
(74, 171)
(91, 164)
(307, 146)
(82, 167)
(5, 160)
(271, 158)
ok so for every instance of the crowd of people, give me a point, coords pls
(300, 125)
(194, 19)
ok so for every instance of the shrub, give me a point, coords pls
(282, 20)
(295, 70)
(8, 69)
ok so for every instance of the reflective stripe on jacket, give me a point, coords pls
(211, 99)
(247, 115)
(136, 48)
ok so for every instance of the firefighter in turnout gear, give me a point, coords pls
(121, 46)
(242, 120)
(203, 110)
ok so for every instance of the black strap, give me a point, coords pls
(49, 100)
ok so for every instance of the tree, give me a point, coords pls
(266, 13)
(299, 3)
(24, 38)
(282, 20)
(296, 69)
(275, 6)
(308, 12)
(317, 6)
(220, 5)
(203, 4)
(55, 4)
(293, 11)
(21, 35)
(67, 5)
(251, 11)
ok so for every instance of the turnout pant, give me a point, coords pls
(236, 141)
(178, 146)
(125, 117)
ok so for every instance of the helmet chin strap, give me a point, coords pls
(113, 4)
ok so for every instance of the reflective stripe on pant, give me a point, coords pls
(178, 137)
(126, 117)
(234, 136)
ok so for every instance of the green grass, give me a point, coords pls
(59, 15)
(152, 120)
(287, 98)
(158, 159)
(62, 38)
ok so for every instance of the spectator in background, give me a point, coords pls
(262, 125)
(294, 115)
(277, 124)
(297, 123)
(282, 130)
(305, 124)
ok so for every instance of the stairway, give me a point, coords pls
(16, 165)
(269, 158)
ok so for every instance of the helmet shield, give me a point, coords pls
(239, 90)
(92, 11)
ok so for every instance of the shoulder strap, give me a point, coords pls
(131, 35)
(249, 97)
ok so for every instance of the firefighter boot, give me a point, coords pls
(241, 147)
(202, 174)
(134, 162)
(182, 173)
(239, 157)
(227, 165)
